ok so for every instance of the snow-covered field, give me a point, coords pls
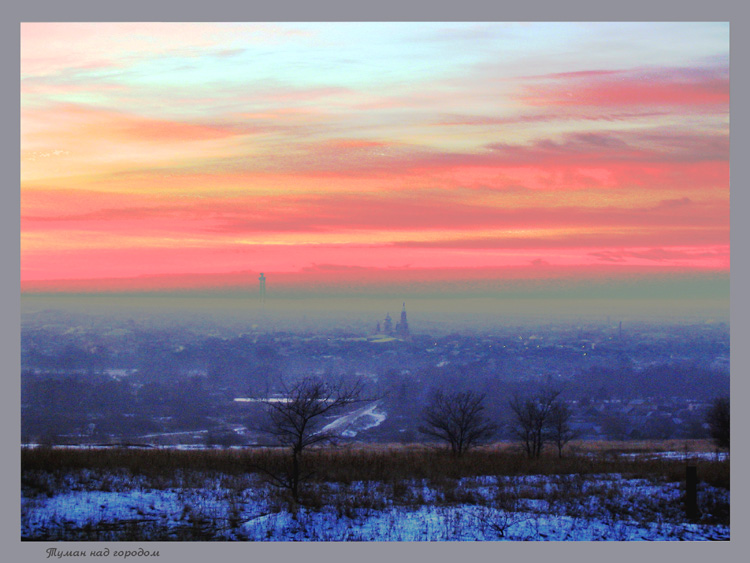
(112, 506)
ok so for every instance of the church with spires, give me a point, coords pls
(401, 330)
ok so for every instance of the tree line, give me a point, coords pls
(457, 418)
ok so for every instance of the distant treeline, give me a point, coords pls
(99, 405)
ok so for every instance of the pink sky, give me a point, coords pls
(165, 156)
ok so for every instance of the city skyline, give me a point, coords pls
(460, 159)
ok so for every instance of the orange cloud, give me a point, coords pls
(71, 120)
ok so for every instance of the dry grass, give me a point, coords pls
(389, 463)
(356, 481)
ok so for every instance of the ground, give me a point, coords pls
(117, 505)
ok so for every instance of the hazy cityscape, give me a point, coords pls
(168, 379)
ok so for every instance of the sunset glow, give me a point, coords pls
(161, 156)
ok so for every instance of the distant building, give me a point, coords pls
(401, 330)
(388, 324)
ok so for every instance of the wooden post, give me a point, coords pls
(691, 492)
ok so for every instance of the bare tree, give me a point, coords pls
(297, 421)
(718, 422)
(458, 419)
(558, 426)
(532, 416)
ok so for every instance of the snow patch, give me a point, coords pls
(362, 419)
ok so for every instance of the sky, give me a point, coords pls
(367, 158)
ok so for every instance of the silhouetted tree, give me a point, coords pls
(458, 419)
(718, 421)
(559, 430)
(531, 419)
(297, 421)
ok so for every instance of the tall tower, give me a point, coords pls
(402, 328)
(262, 280)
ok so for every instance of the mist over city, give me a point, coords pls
(121, 375)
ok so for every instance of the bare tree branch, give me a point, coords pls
(296, 420)
(458, 419)
(532, 417)
(559, 430)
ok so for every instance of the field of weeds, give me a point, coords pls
(374, 493)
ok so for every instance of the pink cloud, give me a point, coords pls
(573, 114)
(691, 255)
(352, 214)
(371, 157)
(661, 87)
(603, 146)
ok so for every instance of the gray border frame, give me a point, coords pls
(347, 10)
